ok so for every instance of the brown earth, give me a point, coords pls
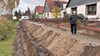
(35, 39)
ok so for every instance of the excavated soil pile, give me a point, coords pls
(36, 40)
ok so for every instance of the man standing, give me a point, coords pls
(73, 23)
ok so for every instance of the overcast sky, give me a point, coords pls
(24, 4)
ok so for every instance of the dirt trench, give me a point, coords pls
(35, 40)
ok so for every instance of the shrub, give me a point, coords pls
(6, 28)
(67, 16)
(82, 17)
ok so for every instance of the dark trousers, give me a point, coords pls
(73, 28)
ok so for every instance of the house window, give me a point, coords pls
(48, 15)
(74, 9)
(64, 13)
(91, 9)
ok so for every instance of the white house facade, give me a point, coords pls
(89, 8)
(63, 11)
(48, 15)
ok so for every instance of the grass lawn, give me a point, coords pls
(6, 46)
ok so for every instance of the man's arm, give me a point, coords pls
(79, 17)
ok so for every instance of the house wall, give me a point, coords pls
(81, 9)
(98, 9)
(45, 15)
(40, 16)
(50, 15)
(68, 10)
(37, 15)
(64, 6)
(62, 13)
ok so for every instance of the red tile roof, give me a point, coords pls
(51, 4)
(40, 9)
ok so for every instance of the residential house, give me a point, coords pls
(62, 5)
(39, 12)
(49, 5)
(89, 8)
(27, 13)
(3, 8)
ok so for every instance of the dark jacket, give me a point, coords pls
(73, 19)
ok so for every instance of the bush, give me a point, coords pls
(82, 17)
(6, 28)
(67, 16)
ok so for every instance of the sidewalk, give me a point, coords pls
(89, 40)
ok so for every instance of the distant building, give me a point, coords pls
(89, 8)
(27, 13)
(39, 12)
(49, 4)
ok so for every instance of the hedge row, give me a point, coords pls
(6, 28)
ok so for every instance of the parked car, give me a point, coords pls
(14, 18)
(24, 17)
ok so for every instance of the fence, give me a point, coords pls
(59, 20)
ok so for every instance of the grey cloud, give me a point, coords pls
(29, 3)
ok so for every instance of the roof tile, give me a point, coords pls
(40, 9)
(52, 4)
(73, 3)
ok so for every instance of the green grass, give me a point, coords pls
(6, 46)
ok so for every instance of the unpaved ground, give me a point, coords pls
(81, 37)
(59, 42)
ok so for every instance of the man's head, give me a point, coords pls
(74, 12)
